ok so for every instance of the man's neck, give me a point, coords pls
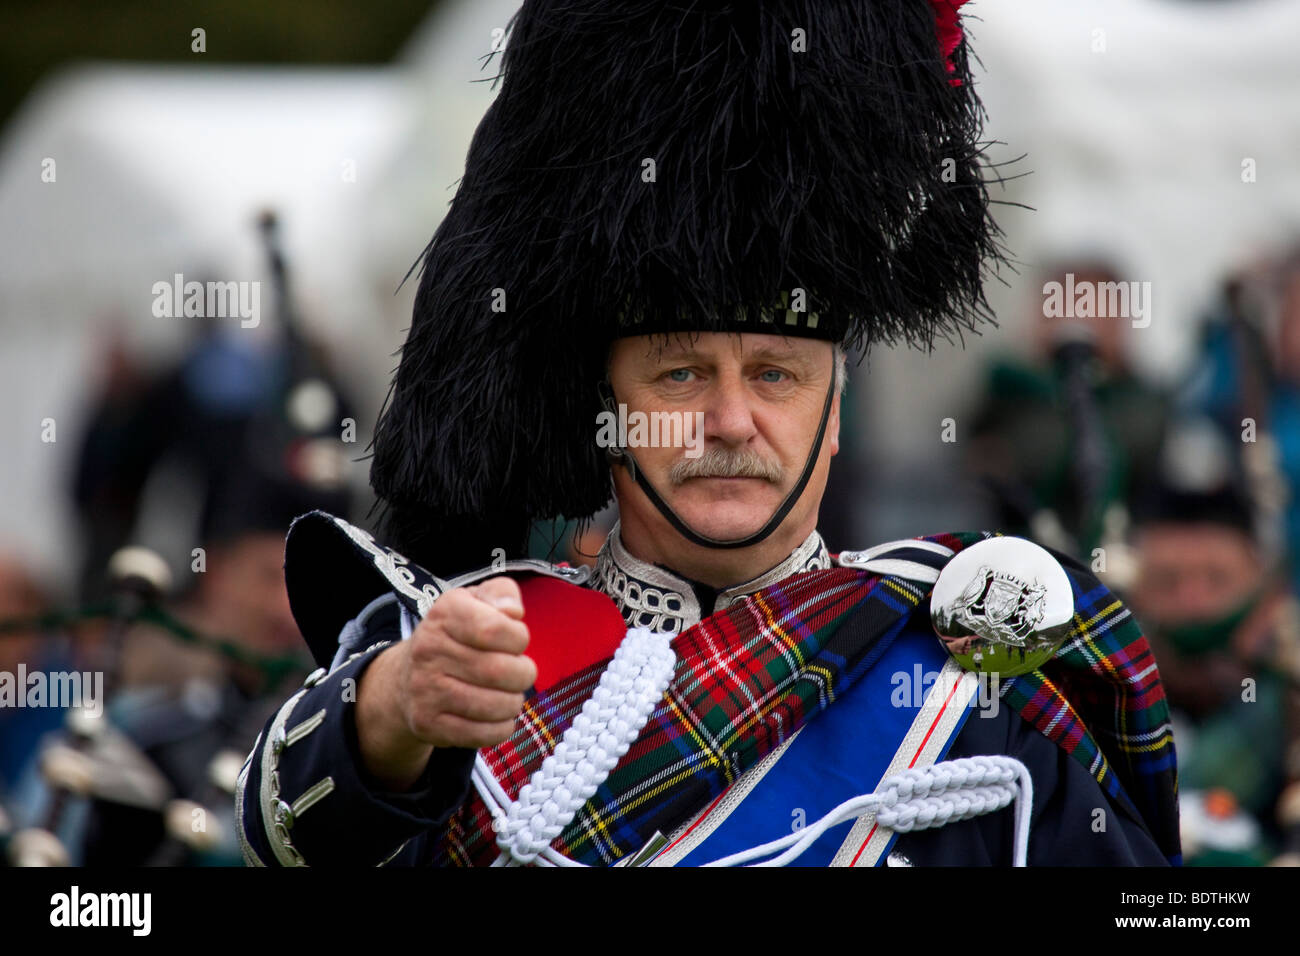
(718, 568)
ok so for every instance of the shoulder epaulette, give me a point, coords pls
(333, 569)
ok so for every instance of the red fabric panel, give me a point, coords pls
(570, 627)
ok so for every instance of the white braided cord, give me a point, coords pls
(919, 799)
(610, 721)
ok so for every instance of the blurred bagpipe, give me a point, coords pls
(279, 452)
(94, 760)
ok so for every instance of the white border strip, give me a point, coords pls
(883, 549)
(930, 732)
(899, 568)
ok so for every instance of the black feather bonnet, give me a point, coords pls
(665, 166)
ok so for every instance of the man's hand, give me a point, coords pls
(459, 681)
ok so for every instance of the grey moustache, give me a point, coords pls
(722, 463)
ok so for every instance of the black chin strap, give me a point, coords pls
(689, 533)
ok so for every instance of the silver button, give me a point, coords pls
(284, 814)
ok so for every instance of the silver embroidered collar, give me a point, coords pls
(654, 597)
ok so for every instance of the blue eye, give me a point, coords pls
(772, 376)
(680, 375)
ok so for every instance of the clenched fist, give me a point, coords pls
(459, 681)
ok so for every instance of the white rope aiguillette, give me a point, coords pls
(919, 799)
(628, 692)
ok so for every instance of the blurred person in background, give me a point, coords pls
(1064, 438)
(1246, 382)
(158, 446)
(193, 723)
(244, 434)
(1225, 630)
(189, 419)
(192, 682)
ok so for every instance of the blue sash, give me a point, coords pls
(841, 754)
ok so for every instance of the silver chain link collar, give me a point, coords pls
(653, 597)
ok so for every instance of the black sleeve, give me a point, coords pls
(1073, 822)
(305, 798)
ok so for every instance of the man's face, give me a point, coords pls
(244, 586)
(1194, 572)
(760, 398)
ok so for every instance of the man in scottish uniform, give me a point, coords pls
(689, 213)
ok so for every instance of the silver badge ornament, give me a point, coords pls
(1002, 606)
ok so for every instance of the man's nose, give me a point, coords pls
(728, 414)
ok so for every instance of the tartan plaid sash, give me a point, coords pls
(1101, 700)
(747, 678)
